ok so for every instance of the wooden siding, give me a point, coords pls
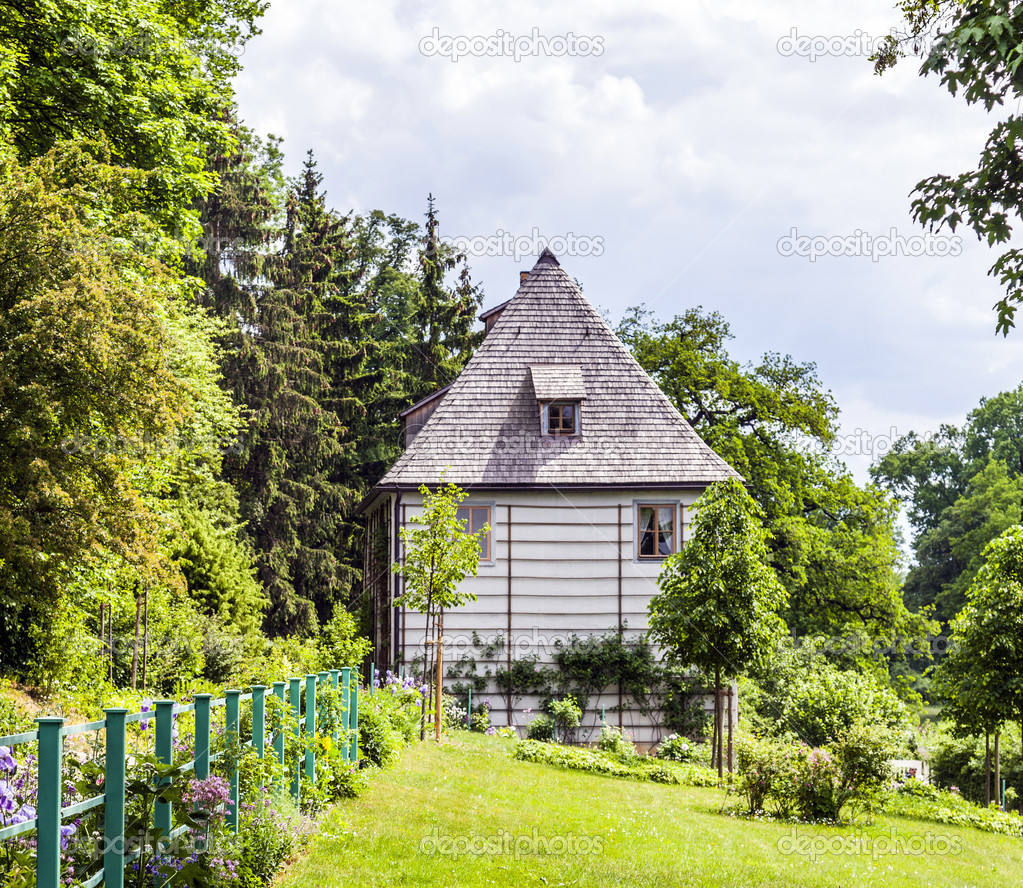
(572, 571)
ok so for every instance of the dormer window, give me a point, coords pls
(561, 418)
(560, 391)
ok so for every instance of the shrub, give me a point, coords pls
(567, 716)
(614, 741)
(923, 802)
(818, 783)
(765, 771)
(480, 720)
(541, 728)
(340, 643)
(608, 764)
(674, 748)
(379, 742)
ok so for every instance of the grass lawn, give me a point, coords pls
(465, 814)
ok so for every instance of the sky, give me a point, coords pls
(735, 155)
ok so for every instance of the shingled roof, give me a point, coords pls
(486, 431)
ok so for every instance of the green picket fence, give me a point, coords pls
(51, 732)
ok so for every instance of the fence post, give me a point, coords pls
(346, 708)
(232, 737)
(310, 727)
(334, 675)
(50, 764)
(353, 755)
(165, 755)
(259, 719)
(202, 736)
(113, 800)
(279, 736)
(295, 695)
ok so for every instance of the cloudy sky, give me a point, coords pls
(671, 150)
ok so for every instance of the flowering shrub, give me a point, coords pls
(674, 748)
(480, 719)
(817, 783)
(614, 741)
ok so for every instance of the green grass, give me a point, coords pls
(609, 832)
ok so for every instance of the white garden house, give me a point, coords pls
(581, 466)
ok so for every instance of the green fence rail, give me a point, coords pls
(51, 733)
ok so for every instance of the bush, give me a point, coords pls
(615, 742)
(541, 728)
(959, 761)
(816, 782)
(340, 643)
(924, 802)
(766, 772)
(379, 742)
(567, 716)
(609, 764)
(674, 748)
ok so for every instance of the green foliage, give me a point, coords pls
(674, 748)
(542, 729)
(718, 600)
(340, 643)
(975, 55)
(923, 802)
(959, 760)
(982, 677)
(615, 742)
(817, 783)
(717, 605)
(832, 543)
(439, 554)
(609, 765)
(567, 717)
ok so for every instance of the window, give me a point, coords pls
(657, 532)
(561, 418)
(476, 518)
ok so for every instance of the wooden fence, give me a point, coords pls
(52, 732)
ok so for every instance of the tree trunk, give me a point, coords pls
(135, 652)
(998, 767)
(440, 676)
(718, 721)
(987, 768)
(731, 731)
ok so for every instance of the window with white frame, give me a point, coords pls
(560, 418)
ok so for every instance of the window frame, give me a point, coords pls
(676, 532)
(545, 425)
(487, 557)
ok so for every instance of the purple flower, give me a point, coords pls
(25, 814)
(7, 761)
(6, 797)
(66, 832)
(147, 706)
